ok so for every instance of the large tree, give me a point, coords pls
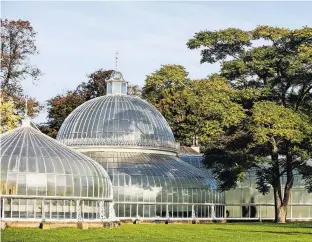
(17, 46)
(280, 67)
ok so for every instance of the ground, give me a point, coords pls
(170, 232)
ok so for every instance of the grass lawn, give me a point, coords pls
(169, 232)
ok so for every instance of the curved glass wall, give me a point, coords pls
(159, 186)
(41, 178)
(245, 202)
(117, 120)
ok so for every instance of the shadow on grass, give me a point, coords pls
(264, 231)
(298, 225)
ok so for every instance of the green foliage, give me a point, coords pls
(271, 121)
(219, 44)
(196, 110)
(213, 108)
(167, 90)
(8, 115)
(273, 83)
(283, 63)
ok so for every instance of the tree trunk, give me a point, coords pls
(280, 204)
(281, 214)
(280, 208)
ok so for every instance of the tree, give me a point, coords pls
(59, 108)
(281, 70)
(194, 109)
(283, 64)
(167, 90)
(134, 90)
(95, 86)
(8, 115)
(279, 133)
(17, 45)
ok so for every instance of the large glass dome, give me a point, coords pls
(135, 144)
(38, 171)
(117, 120)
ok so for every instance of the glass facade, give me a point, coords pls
(245, 202)
(117, 120)
(43, 178)
(151, 185)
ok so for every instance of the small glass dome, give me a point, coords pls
(33, 164)
(117, 120)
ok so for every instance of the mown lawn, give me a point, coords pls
(170, 232)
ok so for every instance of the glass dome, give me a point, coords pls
(36, 168)
(117, 120)
(34, 164)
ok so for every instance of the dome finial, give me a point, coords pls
(116, 58)
(115, 84)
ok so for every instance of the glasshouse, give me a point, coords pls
(45, 180)
(134, 143)
(116, 157)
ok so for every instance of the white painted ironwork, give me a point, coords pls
(193, 212)
(102, 211)
(167, 211)
(213, 213)
(117, 142)
(79, 217)
(112, 212)
(42, 209)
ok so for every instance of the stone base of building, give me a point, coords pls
(53, 225)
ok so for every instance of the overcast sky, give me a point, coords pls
(77, 38)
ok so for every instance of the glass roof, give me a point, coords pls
(33, 164)
(156, 177)
(117, 120)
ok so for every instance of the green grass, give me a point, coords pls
(169, 232)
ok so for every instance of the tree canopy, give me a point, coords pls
(195, 109)
(17, 46)
(270, 69)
